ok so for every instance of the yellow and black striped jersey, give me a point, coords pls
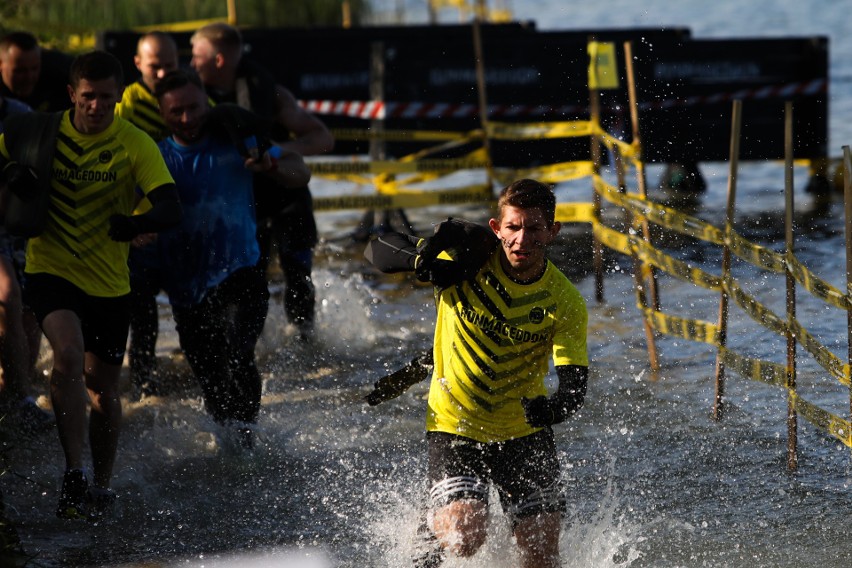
(494, 339)
(94, 176)
(140, 106)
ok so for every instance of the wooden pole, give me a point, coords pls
(640, 165)
(377, 143)
(597, 247)
(847, 200)
(651, 341)
(640, 268)
(346, 14)
(792, 418)
(736, 121)
(232, 12)
(483, 99)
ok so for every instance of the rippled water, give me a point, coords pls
(651, 479)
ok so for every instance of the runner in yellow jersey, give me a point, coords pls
(504, 311)
(77, 279)
(156, 56)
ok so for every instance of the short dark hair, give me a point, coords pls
(96, 66)
(529, 194)
(175, 80)
(25, 41)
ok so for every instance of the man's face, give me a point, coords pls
(204, 61)
(184, 110)
(94, 104)
(20, 70)
(154, 60)
(524, 235)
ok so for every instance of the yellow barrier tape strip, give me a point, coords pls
(826, 359)
(675, 267)
(468, 194)
(757, 255)
(834, 425)
(551, 173)
(575, 212)
(357, 134)
(693, 330)
(392, 167)
(538, 130)
(758, 312)
(755, 369)
(612, 239)
(660, 214)
(354, 178)
(816, 286)
(627, 150)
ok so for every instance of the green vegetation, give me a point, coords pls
(68, 23)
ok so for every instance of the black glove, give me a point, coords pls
(21, 180)
(122, 228)
(393, 385)
(470, 245)
(539, 412)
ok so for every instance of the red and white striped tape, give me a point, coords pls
(379, 110)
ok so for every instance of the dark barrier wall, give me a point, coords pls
(686, 95)
(685, 86)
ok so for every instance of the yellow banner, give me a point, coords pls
(603, 71)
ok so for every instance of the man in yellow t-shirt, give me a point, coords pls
(156, 56)
(503, 312)
(77, 279)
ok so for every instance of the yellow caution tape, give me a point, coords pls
(757, 255)
(755, 369)
(826, 359)
(551, 173)
(816, 286)
(357, 134)
(325, 167)
(834, 425)
(575, 212)
(675, 267)
(612, 239)
(693, 330)
(660, 214)
(538, 130)
(468, 194)
(186, 26)
(758, 312)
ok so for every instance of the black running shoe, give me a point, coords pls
(101, 503)
(74, 495)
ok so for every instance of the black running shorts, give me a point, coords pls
(105, 321)
(525, 472)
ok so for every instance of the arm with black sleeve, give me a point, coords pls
(165, 213)
(546, 411)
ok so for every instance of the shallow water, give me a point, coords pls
(651, 480)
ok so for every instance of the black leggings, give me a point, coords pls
(218, 337)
